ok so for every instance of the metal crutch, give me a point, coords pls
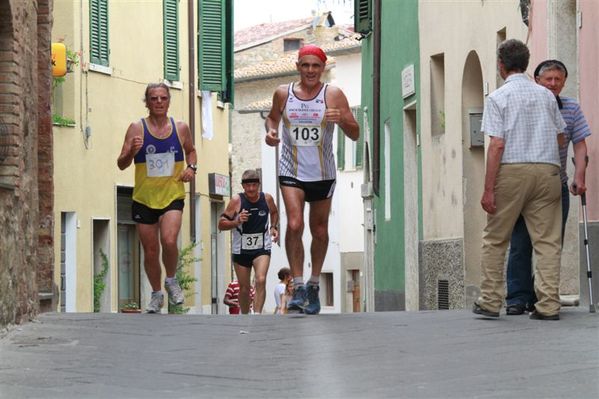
(583, 202)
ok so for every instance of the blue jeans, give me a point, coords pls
(520, 283)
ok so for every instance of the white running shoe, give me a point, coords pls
(175, 293)
(155, 305)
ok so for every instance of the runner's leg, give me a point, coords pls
(261, 264)
(243, 277)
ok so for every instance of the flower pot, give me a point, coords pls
(125, 310)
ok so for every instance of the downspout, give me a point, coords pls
(191, 94)
(376, 101)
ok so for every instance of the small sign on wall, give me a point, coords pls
(219, 184)
(408, 86)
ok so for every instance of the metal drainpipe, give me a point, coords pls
(376, 102)
(192, 90)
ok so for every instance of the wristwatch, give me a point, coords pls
(193, 167)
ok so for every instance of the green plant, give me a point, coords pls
(186, 280)
(99, 283)
(72, 60)
(130, 305)
(442, 120)
(59, 120)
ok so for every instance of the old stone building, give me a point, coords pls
(25, 158)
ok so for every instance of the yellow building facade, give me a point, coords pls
(118, 47)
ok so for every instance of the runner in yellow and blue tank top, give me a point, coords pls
(309, 110)
(159, 147)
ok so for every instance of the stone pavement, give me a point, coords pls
(434, 354)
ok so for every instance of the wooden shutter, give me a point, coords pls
(340, 149)
(211, 54)
(360, 143)
(171, 39)
(362, 16)
(98, 32)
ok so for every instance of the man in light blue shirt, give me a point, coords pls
(523, 122)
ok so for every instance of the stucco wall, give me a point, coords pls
(103, 105)
(453, 173)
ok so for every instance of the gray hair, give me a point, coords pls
(152, 86)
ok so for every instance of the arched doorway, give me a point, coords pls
(473, 172)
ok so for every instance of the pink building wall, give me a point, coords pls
(588, 68)
(537, 40)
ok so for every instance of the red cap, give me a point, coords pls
(310, 49)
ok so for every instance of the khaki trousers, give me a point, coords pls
(533, 190)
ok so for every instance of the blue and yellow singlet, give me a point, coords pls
(158, 165)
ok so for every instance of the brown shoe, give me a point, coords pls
(538, 316)
(476, 308)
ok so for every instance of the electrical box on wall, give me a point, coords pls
(475, 118)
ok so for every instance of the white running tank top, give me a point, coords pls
(307, 152)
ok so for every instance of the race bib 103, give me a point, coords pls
(306, 136)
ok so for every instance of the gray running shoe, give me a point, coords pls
(156, 303)
(299, 300)
(313, 306)
(175, 293)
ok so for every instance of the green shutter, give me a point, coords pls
(98, 32)
(171, 39)
(228, 94)
(212, 54)
(360, 144)
(362, 16)
(340, 149)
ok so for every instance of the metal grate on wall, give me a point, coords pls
(442, 294)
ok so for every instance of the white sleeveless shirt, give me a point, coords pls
(307, 152)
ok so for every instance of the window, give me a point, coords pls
(215, 55)
(291, 44)
(363, 16)
(98, 32)
(350, 153)
(438, 94)
(326, 285)
(171, 39)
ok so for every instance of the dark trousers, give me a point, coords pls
(520, 285)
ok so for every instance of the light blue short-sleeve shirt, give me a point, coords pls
(526, 116)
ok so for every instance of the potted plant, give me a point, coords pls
(130, 307)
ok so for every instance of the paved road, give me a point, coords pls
(441, 354)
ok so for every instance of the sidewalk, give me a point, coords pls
(435, 354)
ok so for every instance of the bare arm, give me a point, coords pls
(228, 301)
(338, 112)
(133, 142)
(578, 186)
(494, 154)
(274, 116)
(190, 152)
(231, 218)
(274, 217)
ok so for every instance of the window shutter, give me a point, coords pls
(362, 16)
(171, 39)
(340, 149)
(98, 32)
(211, 52)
